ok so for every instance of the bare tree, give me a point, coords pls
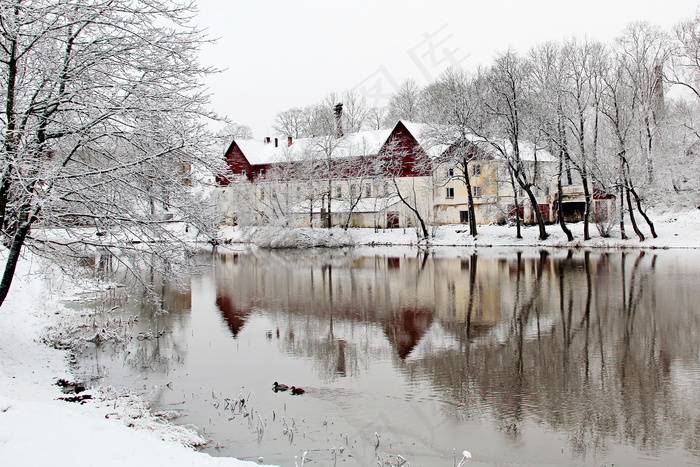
(548, 82)
(231, 132)
(646, 51)
(355, 115)
(292, 122)
(102, 127)
(620, 105)
(405, 104)
(452, 105)
(376, 117)
(506, 100)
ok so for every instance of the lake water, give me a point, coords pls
(525, 357)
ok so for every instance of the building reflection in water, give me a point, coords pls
(593, 343)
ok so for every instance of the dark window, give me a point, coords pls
(450, 193)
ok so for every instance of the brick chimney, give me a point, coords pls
(289, 141)
(338, 113)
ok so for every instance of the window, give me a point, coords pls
(463, 217)
(477, 191)
(368, 190)
(243, 173)
(353, 191)
(450, 172)
(339, 192)
(477, 169)
(386, 188)
(450, 193)
(262, 172)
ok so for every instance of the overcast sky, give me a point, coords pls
(278, 54)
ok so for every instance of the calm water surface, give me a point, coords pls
(532, 357)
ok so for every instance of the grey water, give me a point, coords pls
(522, 357)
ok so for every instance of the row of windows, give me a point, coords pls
(476, 170)
(338, 191)
(476, 192)
(450, 192)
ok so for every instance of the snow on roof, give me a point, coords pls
(425, 135)
(435, 140)
(362, 143)
(528, 151)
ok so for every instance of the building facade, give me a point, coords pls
(380, 179)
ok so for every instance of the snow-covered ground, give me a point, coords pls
(37, 428)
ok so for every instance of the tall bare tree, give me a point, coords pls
(506, 99)
(452, 107)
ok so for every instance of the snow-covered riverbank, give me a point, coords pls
(675, 230)
(36, 428)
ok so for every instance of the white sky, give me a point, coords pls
(278, 54)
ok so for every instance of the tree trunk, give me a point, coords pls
(587, 205)
(470, 198)
(643, 213)
(560, 213)
(632, 219)
(517, 205)
(13, 259)
(623, 234)
(538, 215)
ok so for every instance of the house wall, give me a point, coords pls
(495, 200)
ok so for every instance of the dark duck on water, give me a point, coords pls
(279, 387)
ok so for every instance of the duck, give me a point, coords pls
(297, 391)
(280, 387)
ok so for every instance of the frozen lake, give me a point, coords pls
(527, 357)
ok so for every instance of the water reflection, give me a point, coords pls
(512, 350)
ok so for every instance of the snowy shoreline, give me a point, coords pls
(675, 230)
(36, 428)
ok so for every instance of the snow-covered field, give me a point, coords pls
(36, 428)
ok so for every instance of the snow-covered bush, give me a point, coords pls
(282, 237)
